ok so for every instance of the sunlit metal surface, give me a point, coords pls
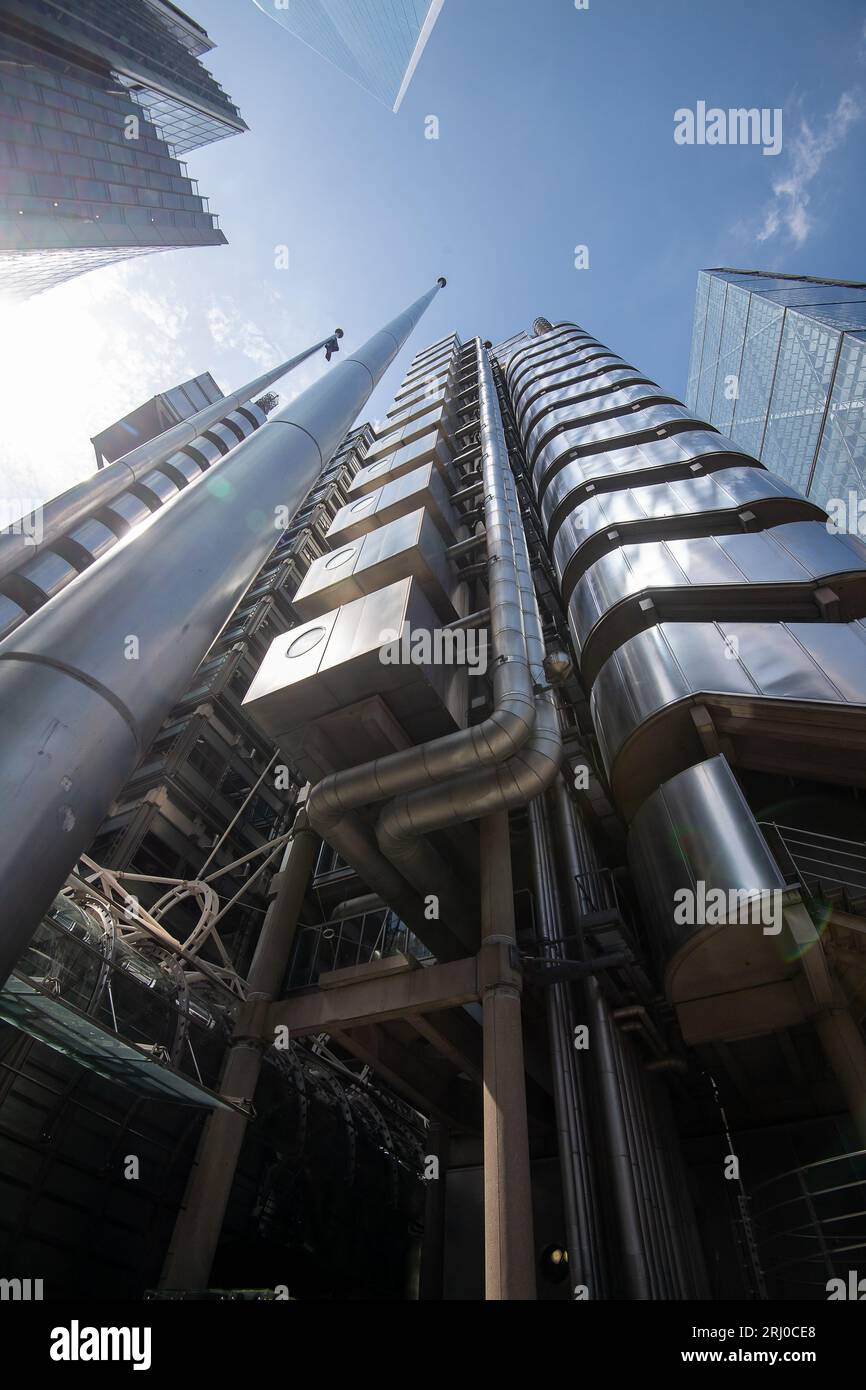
(731, 500)
(423, 487)
(562, 482)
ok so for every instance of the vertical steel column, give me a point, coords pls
(199, 1222)
(509, 1246)
(568, 1092)
(602, 1049)
(81, 703)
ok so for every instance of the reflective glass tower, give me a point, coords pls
(778, 362)
(98, 99)
(378, 43)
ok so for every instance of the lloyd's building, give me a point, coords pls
(556, 982)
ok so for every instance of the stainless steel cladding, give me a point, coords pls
(410, 545)
(709, 606)
(347, 657)
(429, 448)
(699, 883)
(423, 487)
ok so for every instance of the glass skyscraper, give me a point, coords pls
(378, 43)
(98, 99)
(778, 362)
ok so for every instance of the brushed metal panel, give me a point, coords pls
(94, 536)
(204, 448)
(576, 389)
(627, 404)
(161, 485)
(779, 665)
(627, 460)
(559, 352)
(225, 436)
(49, 572)
(429, 448)
(696, 832)
(817, 550)
(11, 614)
(439, 419)
(404, 414)
(188, 467)
(409, 546)
(335, 661)
(130, 507)
(423, 487)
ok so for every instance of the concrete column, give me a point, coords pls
(845, 1050)
(840, 1034)
(199, 1222)
(509, 1245)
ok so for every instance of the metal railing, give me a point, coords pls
(339, 944)
(826, 863)
(811, 1223)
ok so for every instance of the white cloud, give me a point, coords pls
(806, 153)
(230, 330)
(75, 359)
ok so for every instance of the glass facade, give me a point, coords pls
(377, 43)
(89, 169)
(778, 362)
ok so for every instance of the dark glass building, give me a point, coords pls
(99, 98)
(778, 362)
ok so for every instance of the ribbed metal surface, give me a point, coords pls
(691, 576)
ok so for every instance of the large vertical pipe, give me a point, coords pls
(602, 1046)
(569, 1100)
(199, 1222)
(86, 497)
(87, 681)
(509, 1250)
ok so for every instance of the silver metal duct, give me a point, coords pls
(613, 1115)
(518, 780)
(572, 1117)
(87, 681)
(510, 725)
(72, 507)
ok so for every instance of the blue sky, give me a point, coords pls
(555, 130)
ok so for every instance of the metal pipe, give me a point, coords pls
(73, 506)
(569, 1100)
(79, 712)
(625, 1196)
(658, 1253)
(510, 725)
(407, 819)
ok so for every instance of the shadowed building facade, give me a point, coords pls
(100, 98)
